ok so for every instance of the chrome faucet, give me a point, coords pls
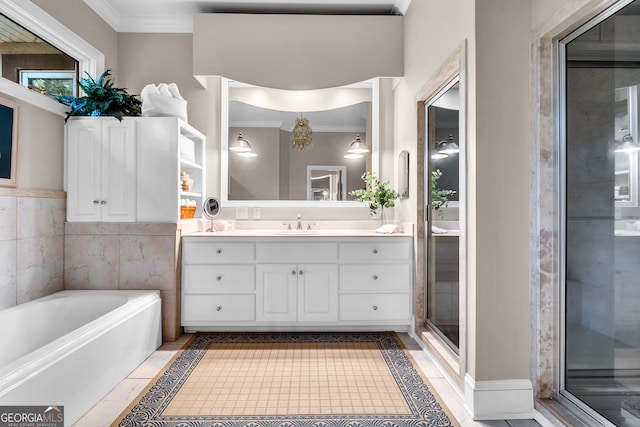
(299, 226)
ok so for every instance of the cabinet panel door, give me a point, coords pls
(317, 292)
(84, 153)
(276, 292)
(118, 171)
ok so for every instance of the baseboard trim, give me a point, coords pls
(499, 400)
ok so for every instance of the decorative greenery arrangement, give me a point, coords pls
(439, 198)
(376, 193)
(102, 99)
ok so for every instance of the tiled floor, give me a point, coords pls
(108, 409)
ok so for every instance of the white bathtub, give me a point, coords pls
(71, 348)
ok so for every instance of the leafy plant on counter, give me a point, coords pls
(439, 197)
(101, 99)
(376, 193)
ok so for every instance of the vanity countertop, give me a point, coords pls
(294, 234)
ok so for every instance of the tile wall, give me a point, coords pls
(131, 256)
(31, 245)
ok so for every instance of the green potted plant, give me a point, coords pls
(101, 99)
(377, 193)
(439, 197)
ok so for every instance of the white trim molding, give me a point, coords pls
(402, 6)
(499, 400)
(30, 16)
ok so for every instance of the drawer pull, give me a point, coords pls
(218, 278)
(103, 202)
(375, 277)
(300, 272)
(96, 202)
(218, 308)
(375, 307)
(219, 251)
(375, 251)
(293, 272)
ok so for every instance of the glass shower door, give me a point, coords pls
(602, 218)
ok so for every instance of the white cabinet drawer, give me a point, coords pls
(296, 252)
(375, 277)
(218, 308)
(375, 251)
(210, 252)
(373, 307)
(218, 278)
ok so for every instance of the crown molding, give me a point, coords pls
(106, 12)
(402, 6)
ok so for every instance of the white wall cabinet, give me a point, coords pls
(129, 171)
(101, 175)
(297, 283)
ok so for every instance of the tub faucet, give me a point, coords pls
(299, 226)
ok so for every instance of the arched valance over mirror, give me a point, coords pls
(297, 52)
(272, 138)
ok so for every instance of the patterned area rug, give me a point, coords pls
(289, 379)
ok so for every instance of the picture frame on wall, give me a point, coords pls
(8, 142)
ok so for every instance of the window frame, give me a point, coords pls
(90, 60)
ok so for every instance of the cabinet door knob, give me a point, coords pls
(375, 277)
(96, 202)
(103, 202)
(219, 251)
(293, 272)
(218, 308)
(375, 251)
(375, 307)
(300, 272)
(218, 278)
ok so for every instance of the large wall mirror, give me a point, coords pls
(297, 148)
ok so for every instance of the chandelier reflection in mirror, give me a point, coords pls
(302, 134)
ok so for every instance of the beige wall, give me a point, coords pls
(500, 214)
(168, 58)
(82, 20)
(497, 234)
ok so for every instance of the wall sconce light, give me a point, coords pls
(302, 134)
(240, 145)
(627, 145)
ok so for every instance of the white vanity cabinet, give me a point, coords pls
(297, 292)
(129, 171)
(297, 283)
(101, 176)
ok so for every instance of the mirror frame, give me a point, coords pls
(374, 84)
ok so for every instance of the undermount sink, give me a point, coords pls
(296, 232)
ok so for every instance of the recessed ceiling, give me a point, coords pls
(176, 16)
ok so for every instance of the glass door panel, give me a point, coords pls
(602, 218)
(443, 229)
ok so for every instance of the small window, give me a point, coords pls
(28, 60)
